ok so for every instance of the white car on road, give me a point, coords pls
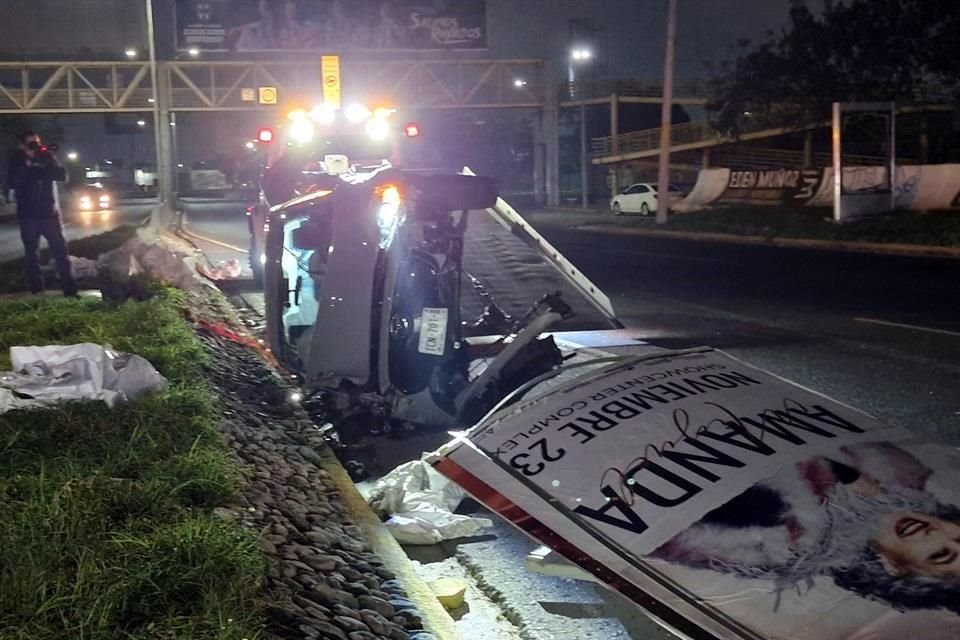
(641, 198)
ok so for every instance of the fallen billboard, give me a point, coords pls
(727, 502)
(330, 25)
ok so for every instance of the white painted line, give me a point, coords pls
(203, 238)
(911, 327)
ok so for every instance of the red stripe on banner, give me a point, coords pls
(514, 514)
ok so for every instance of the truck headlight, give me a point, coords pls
(378, 129)
(301, 131)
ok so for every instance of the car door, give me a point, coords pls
(640, 193)
(628, 201)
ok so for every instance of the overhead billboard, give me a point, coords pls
(727, 502)
(330, 25)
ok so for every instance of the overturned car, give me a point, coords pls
(380, 291)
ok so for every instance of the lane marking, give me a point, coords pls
(194, 234)
(911, 327)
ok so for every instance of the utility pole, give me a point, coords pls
(161, 131)
(666, 116)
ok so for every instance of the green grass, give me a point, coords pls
(108, 529)
(13, 277)
(936, 229)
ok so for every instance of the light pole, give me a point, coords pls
(582, 56)
(666, 116)
(161, 131)
(157, 219)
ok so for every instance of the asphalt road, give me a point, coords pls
(75, 225)
(878, 332)
(227, 219)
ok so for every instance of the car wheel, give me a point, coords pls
(617, 211)
(644, 209)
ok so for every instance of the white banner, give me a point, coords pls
(733, 503)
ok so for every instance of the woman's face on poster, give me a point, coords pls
(919, 544)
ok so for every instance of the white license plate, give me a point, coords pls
(433, 331)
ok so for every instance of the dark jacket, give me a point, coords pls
(33, 182)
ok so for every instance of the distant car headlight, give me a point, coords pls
(86, 202)
(104, 201)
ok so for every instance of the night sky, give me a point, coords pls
(633, 42)
(630, 46)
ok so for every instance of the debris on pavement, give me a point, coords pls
(450, 592)
(223, 270)
(421, 505)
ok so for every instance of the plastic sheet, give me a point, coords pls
(49, 375)
(421, 503)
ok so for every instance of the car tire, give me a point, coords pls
(644, 209)
(617, 211)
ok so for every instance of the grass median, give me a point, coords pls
(940, 229)
(108, 528)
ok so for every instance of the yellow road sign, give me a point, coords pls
(268, 95)
(330, 73)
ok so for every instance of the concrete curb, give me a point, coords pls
(435, 618)
(916, 250)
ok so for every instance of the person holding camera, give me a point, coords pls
(32, 173)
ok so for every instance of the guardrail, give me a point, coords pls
(649, 139)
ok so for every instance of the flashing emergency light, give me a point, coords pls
(411, 130)
(357, 113)
(265, 135)
(302, 131)
(323, 114)
(390, 195)
(297, 115)
(378, 129)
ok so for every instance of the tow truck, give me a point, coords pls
(310, 146)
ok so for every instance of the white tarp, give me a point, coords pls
(59, 373)
(727, 501)
(421, 504)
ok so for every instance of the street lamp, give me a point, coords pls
(194, 52)
(72, 156)
(519, 83)
(581, 56)
(130, 53)
(141, 123)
